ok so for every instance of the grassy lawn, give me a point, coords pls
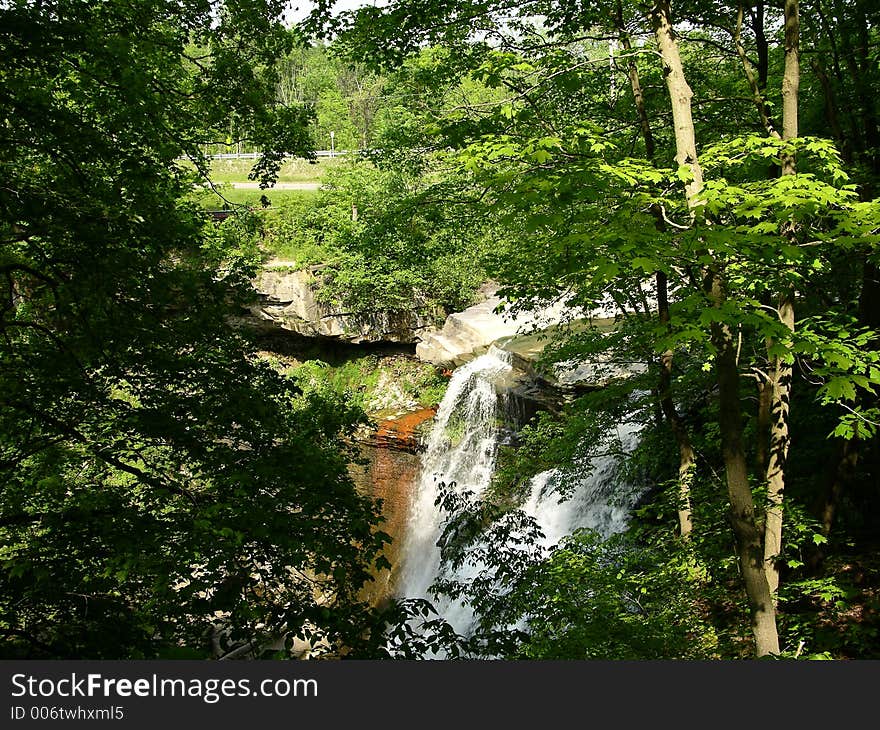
(225, 172)
(283, 202)
(210, 200)
(296, 171)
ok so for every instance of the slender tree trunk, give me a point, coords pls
(780, 380)
(635, 83)
(757, 84)
(687, 457)
(742, 509)
(754, 80)
(762, 445)
(762, 47)
(780, 388)
(680, 95)
(748, 537)
(791, 81)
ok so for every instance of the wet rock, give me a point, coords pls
(468, 334)
(389, 470)
(471, 333)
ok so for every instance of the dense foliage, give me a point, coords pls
(707, 171)
(392, 227)
(690, 167)
(378, 245)
(162, 491)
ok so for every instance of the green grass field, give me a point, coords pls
(226, 172)
(295, 171)
(212, 201)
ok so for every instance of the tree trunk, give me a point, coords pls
(686, 456)
(687, 459)
(680, 95)
(780, 379)
(754, 81)
(762, 427)
(742, 512)
(748, 537)
(762, 47)
(791, 81)
(749, 544)
(780, 386)
(757, 86)
(635, 84)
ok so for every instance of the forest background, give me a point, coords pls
(710, 168)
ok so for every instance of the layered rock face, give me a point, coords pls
(288, 301)
(468, 334)
(390, 471)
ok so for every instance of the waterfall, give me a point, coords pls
(461, 451)
(599, 501)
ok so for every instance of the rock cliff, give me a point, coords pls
(287, 299)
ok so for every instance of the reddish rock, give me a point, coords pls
(391, 473)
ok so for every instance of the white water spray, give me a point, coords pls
(461, 449)
(599, 501)
(460, 453)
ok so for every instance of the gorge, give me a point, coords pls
(415, 451)
(232, 369)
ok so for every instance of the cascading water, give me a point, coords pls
(599, 501)
(461, 450)
(460, 453)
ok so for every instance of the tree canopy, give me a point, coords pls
(710, 169)
(163, 491)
